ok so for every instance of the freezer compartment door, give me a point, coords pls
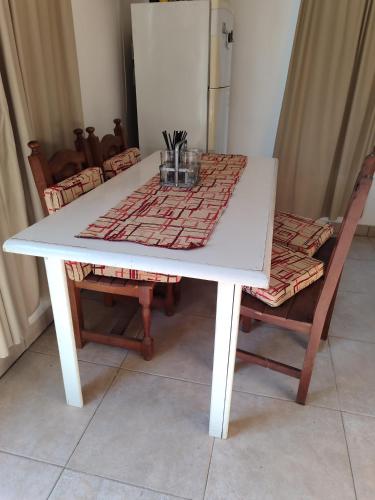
(171, 58)
(220, 50)
(218, 118)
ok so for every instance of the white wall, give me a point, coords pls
(368, 218)
(263, 39)
(100, 61)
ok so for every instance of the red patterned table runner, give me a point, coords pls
(172, 217)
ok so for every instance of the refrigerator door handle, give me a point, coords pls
(228, 35)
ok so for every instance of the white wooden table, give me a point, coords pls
(238, 253)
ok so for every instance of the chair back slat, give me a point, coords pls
(346, 234)
(110, 144)
(81, 144)
(40, 170)
(66, 163)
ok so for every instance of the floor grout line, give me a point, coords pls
(70, 469)
(358, 259)
(357, 414)
(344, 290)
(207, 384)
(342, 420)
(334, 373)
(348, 452)
(56, 355)
(369, 259)
(33, 459)
(204, 384)
(94, 413)
(278, 398)
(160, 375)
(66, 467)
(85, 429)
(208, 469)
(55, 483)
(240, 391)
(344, 410)
(353, 340)
(356, 292)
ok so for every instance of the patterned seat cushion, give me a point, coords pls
(132, 274)
(77, 271)
(299, 233)
(66, 191)
(291, 272)
(121, 162)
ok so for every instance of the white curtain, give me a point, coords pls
(327, 123)
(19, 281)
(39, 99)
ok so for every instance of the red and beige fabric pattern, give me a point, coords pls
(64, 192)
(121, 162)
(291, 272)
(133, 274)
(77, 271)
(68, 190)
(299, 233)
(172, 217)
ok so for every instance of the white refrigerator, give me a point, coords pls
(182, 62)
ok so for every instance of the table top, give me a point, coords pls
(238, 251)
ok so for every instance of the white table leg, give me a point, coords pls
(58, 289)
(226, 333)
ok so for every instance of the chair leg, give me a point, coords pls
(169, 300)
(177, 292)
(327, 322)
(308, 365)
(77, 315)
(246, 324)
(145, 299)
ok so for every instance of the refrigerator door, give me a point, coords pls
(218, 118)
(221, 48)
(171, 57)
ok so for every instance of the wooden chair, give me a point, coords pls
(59, 169)
(111, 152)
(62, 165)
(109, 145)
(310, 310)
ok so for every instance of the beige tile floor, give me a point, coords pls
(143, 431)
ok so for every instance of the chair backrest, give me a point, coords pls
(82, 145)
(109, 145)
(344, 240)
(62, 165)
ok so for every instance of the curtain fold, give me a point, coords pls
(39, 99)
(44, 34)
(358, 128)
(19, 297)
(326, 126)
